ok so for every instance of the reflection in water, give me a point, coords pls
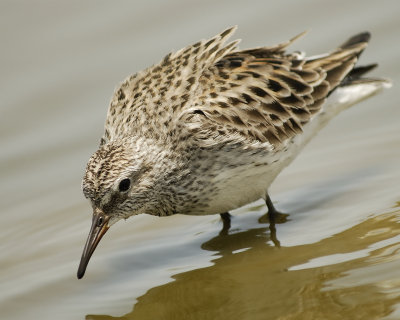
(252, 279)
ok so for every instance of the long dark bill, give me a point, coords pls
(97, 231)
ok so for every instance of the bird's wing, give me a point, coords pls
(150, 101)
(266, 95)
(216, 92)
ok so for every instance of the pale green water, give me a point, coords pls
(339, 255)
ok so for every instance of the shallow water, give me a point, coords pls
(338, 253)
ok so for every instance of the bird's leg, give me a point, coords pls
(273, 214)
(226, 220)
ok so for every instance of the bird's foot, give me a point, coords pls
(274, 217)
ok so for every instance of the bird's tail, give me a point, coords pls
(342, 72)
(340, 64)
(355, 85)
(357, 74)
(349, 84)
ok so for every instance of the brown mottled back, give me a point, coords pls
(216, 91)
(265, 94)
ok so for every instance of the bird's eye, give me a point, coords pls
(100, 221)
(124, 185)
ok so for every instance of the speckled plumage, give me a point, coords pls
(210, 127)
(206, 116)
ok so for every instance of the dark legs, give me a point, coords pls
(226, 220)
(273, 216)
(272, 212)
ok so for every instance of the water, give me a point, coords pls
(339, 251)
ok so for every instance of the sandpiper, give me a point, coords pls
(209, 128)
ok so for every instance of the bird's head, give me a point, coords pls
(123, 178)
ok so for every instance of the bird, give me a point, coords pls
(210, 127)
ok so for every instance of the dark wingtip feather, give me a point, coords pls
(358, 38)
(357, 73)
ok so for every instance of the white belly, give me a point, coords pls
(245, 184)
